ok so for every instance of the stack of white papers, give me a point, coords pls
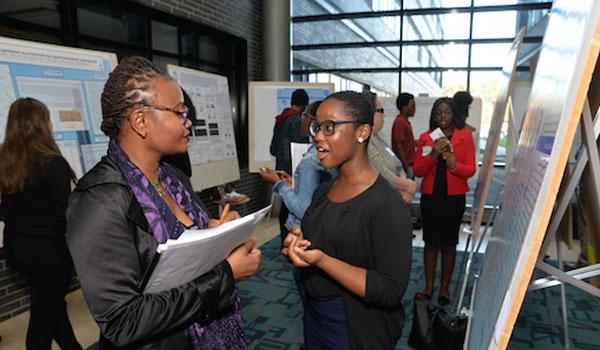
(196, 252)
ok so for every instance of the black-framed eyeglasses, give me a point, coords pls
(182, 111)
(327, 127)
(379, 110)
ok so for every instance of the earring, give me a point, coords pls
(361, 140)
(144, 134)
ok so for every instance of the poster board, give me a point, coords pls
(420, 121)
(266, 101)
(567, 59)
(69, 81)
(505, 89)
(212, 148)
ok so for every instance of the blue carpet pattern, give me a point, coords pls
(272, 309)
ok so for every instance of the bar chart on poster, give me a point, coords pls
(266, 100)
(212, 147)
(571, 42)
(69, 81)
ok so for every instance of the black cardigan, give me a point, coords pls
(40, 209)
(112, 248)
(372, 230)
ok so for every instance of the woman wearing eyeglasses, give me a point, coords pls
(445, 166)
(128, 204)
(355, 243)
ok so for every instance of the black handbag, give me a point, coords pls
(434, 329)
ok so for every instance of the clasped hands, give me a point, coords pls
(442, 146)
(296, 249)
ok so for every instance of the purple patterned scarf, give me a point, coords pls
(224, 333)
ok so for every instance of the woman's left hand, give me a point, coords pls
(450, 161)
(300, 256)
(232, 215)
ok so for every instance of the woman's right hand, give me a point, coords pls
(295, 232)
(244, 260)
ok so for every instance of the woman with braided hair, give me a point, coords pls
(128, 204)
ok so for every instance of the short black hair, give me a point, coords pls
(313, 108)
(299, 98)
(403, 99)
(458, 120)
(356, 105)
(463, 100)
(371, 97)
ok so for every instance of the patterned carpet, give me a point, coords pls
(272, 310)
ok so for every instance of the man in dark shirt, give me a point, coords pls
(287, 130)
(403, 140)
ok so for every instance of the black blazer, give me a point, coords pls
(112, 248)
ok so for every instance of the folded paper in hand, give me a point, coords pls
(196, 252)
(438, 134)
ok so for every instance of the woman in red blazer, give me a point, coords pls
(445, 165)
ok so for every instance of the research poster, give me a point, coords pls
(212, 138)
(69, 81)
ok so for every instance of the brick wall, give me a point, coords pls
(242, 18)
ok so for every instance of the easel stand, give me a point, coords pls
(590, 132)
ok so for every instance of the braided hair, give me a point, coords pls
(127, 86)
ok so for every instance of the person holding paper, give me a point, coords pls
(445, 159)
(128, 204)
(35, 183)
(354, 246)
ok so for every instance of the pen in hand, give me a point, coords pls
(224, 214)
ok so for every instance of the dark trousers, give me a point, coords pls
(46, 264)
(283, 214)
(325, 325)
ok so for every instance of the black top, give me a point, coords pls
(40, 209)
(372, 230)
(113, 249)
(440, 184)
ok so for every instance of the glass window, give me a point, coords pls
(445, 26)
(423, 4)
(385, 82)
(30, 35)
(306, 8)
(453, 81)
(383, 28)
(113, 24)
(366, 57)
(489, 55)
(210, 50)
(162, 61)
(451, 55)
(506, 23)
(422, 83)
(44, 12)
(189, 50)
(164, 37)
(507, 2)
